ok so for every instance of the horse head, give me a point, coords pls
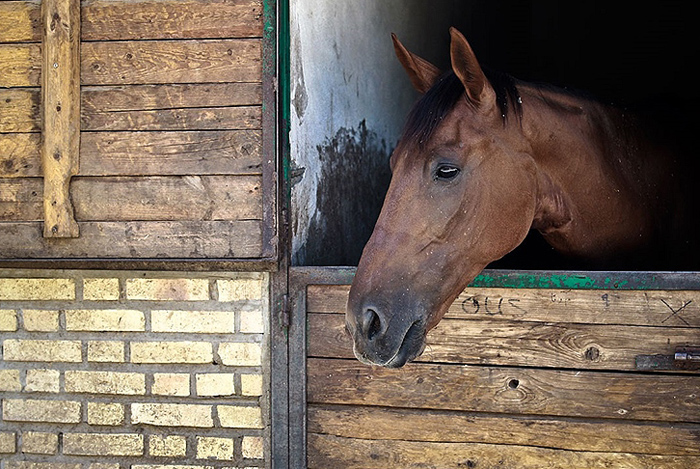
(463, 193)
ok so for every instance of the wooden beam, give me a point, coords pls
(61, 111)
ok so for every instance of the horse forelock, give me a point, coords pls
(430, 110)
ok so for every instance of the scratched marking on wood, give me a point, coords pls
(61, 110)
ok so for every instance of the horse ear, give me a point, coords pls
(468, 70)
(422, 73)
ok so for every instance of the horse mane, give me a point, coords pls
(440, 99)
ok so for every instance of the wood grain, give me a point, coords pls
(137, 240)
(525, 391)
(20, 65)
(143, 153)
(519, 343)
(631, 307)
(142, 198)
(349, 453)
(20, 110)
(141, 19)
(148, 62)
(377, 423)
(60, 102)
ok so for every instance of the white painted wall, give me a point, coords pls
(343, 72)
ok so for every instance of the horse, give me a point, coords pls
(483, 159)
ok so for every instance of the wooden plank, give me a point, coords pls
(488, 342)
(352, 453)
(20, 110)
(20, 21)
(375, 423)
(137, 107)
(20, 65)
(631, 307)
(137, 239)
(141, 198)
(60, 100)
(19, 155)
(524, 391)
(149, 62)
(141, 19)
(181, 19)
(100, 99)
(213, 118)
(229, 152)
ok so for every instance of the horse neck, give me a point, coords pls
(589, 177)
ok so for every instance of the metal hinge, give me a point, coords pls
(684, 358)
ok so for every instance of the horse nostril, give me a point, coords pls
(371, 323)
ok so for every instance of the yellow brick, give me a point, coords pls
(105, 351)
(232, 416)
(39, 443)
(40, 465)
(167, 446)
(214, 448)
(8, 320)
(102, 444)
(101, 289)
(172, 415)
(43, 381)
(7, 442)
(252, 447)
(215, 384)
(171, 352)
(105, 382)
(240, 354)
(34, 410)
(243, 289)
(251, 385)
(252, 321)
(202, 322)
(37, 320)
(42, 350)
(110, 413)
(114, 320)
(37, 289)
(180, 289)
(171, 384)
(9, 381)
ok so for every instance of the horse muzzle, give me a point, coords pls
(380, 339)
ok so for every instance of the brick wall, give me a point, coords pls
(131, 370)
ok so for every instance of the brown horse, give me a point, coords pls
(480, 163)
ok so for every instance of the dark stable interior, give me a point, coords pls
(637, 56)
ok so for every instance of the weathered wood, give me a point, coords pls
(181, 19)
(99, 99)
(20, 110)
(149, 62)
(525, 391)
(137, 239)
(20, 155)
(219, 118)
(20, 65)
(631, 307)
(350, 453)
(60, 99)
(141, 198)
(519, 343)
(20, 21)
(141, 19)
(138, 107)
(376, 423)
(143, 153)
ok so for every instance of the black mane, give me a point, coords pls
(441, 98)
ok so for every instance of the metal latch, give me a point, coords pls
(684, 358)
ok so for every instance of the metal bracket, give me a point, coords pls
(685, 358)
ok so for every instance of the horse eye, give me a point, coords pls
(446, 172)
